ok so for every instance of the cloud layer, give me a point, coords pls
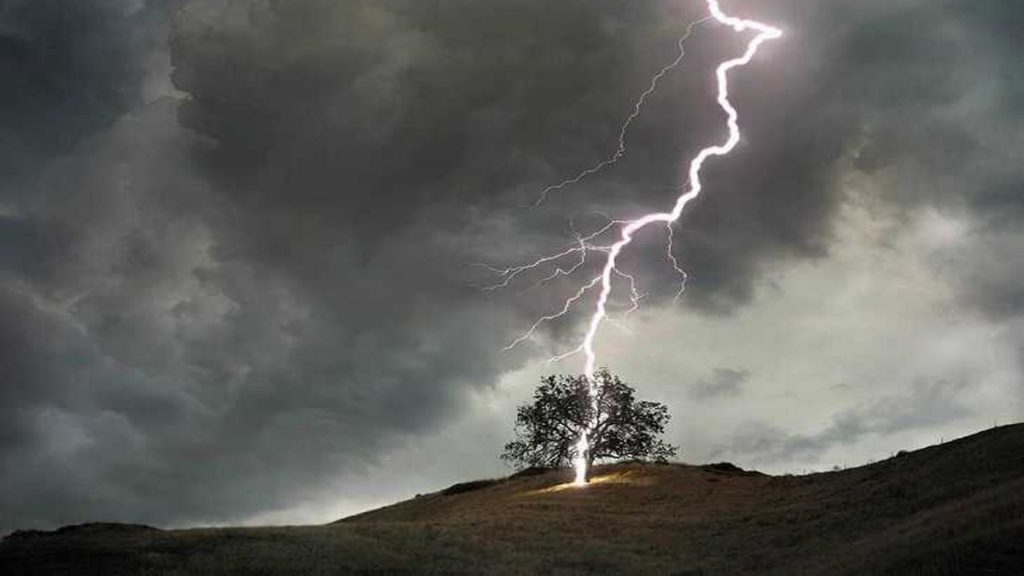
(234, 234)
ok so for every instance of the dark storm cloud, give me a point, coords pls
(188, 381)
(69, 69)
(216, 303)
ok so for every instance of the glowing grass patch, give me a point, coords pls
(624, 477)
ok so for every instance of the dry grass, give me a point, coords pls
(957, 508)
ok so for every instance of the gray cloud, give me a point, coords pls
(721, 382)
(925, 405)
(216, 300)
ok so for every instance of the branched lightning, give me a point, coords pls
(603, 283)
(620, 151)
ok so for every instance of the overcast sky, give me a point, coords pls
(236, 236)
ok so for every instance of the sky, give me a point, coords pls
(239, 240)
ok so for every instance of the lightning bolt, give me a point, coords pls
(627, 229)
(620, 151)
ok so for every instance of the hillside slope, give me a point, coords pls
(955, 508)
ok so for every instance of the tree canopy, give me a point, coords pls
(548, 428)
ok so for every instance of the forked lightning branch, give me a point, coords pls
(574, 258)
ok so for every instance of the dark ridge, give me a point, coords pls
(86, 529)
(729, 468)
(531, 471)
(470, 486)
(952, 508)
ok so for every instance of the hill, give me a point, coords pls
(955, 508)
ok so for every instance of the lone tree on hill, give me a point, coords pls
(548, 429)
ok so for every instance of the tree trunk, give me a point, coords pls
(590, 467)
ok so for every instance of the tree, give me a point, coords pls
(549, 428)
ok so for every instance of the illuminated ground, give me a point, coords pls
(957, 508)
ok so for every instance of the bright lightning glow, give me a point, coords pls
(580, 462)
(628, 228)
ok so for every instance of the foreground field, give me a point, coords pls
(956, 508)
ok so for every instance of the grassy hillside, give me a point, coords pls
(956, 508)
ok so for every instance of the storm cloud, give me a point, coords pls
(236, 236)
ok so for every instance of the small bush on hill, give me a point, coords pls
(462, 487)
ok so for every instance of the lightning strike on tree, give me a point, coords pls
(584, 245)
